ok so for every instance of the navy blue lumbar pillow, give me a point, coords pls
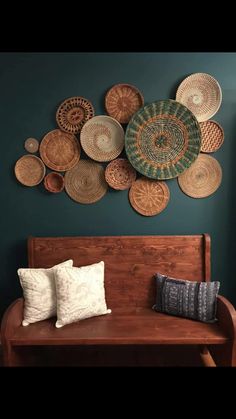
(179, 297)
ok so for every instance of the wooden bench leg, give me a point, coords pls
(206, 357)
(12, 357)
(224, 355)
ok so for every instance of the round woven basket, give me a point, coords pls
(102, 138)
(86, 183)
(31, 145)
(149, 197)
(119, 174)
(201, 93)
(73, 113)
(212, 136)
(54, 182)
(30, 170)
(162, 139)
(59, 150)
(122, 101)
(203, 178)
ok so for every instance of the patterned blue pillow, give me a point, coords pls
(194, 300)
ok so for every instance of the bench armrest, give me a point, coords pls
(226, 316)
(12, 318)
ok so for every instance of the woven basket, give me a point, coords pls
(85, 183)
(203, 178)
(31, 145)
(212, 136)
(54, 182)
(201, 93)
(119, 174)
(122, 101)
(30, 170)
(149, 197)
(73, 113)
(162, 139)
(59, 150)
(102, 138)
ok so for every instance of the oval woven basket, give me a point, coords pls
(149, 197)
(212, 136)
(120, 174)
(202, 94)
(122, 101)
(73, 113)
(203, 178)
(30, 170)
(54, 182)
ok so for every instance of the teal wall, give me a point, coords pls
(32, 85)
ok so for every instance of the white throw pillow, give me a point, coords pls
(39, 292)
(80, 293)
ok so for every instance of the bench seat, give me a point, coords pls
(133, 328)
(121, 327)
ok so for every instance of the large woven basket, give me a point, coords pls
(201, 93)
(162, 139)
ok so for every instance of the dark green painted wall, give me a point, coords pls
(32, 85)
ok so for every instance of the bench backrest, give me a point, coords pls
(130, 261)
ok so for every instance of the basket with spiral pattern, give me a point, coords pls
(102, 138)
(201, 93)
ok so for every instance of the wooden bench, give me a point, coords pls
(130, 263)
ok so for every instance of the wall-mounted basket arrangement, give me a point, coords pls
(163, 140)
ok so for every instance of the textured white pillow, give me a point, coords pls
(80, 293)
(39, 292)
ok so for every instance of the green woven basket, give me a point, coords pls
(163, 139)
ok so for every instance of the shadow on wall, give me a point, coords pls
(11, 289)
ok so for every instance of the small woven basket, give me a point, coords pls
(54, 182)
(212, 136)
(120, 174)
(31, 145)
